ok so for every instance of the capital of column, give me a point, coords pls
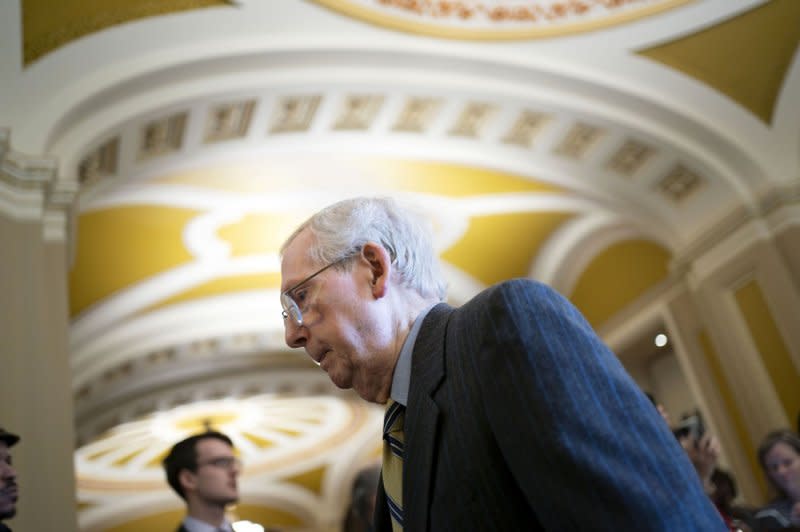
(31, 190)
(776, 208)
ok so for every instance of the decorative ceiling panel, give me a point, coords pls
(680, 184)
(472, 119)
(229, 121)
(294, 113)
(579, 140)
(358, 111)
(160, 137)
(630, 158)
(525, 128)
(101, 163)
(417, 114)
(498, 19)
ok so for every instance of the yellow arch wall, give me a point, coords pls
(617, 276)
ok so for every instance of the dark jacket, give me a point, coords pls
(520, 418)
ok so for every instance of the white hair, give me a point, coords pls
(343, 228)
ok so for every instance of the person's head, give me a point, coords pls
(724, 488)
(365, 489)
(662, 411)
(350, 275)
(202, 469)
(9, 491)
(779, 455)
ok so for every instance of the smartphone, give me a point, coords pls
(692, 426)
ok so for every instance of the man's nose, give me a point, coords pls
(295, 335)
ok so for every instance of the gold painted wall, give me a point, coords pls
(47, 25)
(617, 276)
(745, 58)
(716, 364)
(771, 346)
(119, 247)
(502, 246)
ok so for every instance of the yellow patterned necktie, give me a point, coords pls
(393, 461)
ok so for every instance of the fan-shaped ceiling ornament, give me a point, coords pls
(498, 19)
(297, 451)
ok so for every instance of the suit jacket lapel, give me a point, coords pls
(422, 414)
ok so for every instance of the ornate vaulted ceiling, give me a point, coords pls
(596, 146)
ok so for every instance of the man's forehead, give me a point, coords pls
(212, 446)
(296, 263)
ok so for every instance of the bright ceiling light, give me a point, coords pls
(661, 340)
(246, 526)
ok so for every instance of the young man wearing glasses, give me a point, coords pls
(203, 470)
(507, 413)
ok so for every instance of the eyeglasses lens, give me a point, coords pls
(290, 308)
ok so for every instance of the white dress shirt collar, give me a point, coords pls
(195, 525)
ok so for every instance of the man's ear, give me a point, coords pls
(188, 480)
(380, 265)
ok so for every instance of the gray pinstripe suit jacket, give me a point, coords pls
(520, 418)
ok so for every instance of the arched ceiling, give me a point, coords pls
(593, 145)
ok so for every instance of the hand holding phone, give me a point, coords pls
(690, 426)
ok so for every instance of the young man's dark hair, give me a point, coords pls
(184, 456)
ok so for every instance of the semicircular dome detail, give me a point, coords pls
(498, 19)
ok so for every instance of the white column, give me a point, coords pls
(35, 379)
(743, 345)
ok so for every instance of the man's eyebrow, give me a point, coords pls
(296, 284)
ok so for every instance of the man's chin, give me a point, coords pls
(341, 382)
(231, 501)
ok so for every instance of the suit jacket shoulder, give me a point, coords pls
(520, 418)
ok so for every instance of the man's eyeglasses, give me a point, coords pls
(295, 302)
(223, 462)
